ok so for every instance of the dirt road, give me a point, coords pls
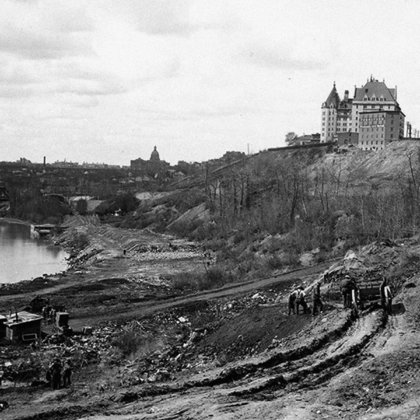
(142, 309)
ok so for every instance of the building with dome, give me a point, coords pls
(154, 157)
(153, 167)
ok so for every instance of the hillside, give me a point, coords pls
(186, 298)
(277, 208)
(368, 167)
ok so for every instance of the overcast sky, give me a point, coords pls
(106, 80)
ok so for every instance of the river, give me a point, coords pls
(24, 257)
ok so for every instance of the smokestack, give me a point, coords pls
(45, 160)
(346, 95)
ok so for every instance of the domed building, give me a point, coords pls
(153, 167)
(154, 157)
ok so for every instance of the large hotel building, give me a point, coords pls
(370, 120)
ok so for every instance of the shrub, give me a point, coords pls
(214, 277)
(290, 258)
(321, 257)
(80, 240)
(238, 237)
(184, 281)
(128, 342)
(275, 262)
(187, 229)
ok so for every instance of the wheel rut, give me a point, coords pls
(301, 366)
(320, 365)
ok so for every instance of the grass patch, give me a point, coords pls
(213, 278)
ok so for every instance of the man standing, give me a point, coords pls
(67, 373)
(347, 287)
(386, 297)
(55, 370)
(300, 300)
(292, 301)
(317, 302)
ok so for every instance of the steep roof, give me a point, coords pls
(375, 88)
(333, 98)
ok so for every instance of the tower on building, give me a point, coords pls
(336, 115)
(154, 157)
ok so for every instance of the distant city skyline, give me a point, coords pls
(106, 81)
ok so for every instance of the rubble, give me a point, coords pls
(178, 336)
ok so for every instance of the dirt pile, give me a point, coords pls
(395, 262)
(363, 167)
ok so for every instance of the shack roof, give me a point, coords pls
(21, 318)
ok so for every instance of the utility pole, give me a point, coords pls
(408, 129)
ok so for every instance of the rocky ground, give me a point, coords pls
(224, 353)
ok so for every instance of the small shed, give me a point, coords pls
(23, 327)
(62, 319)
(3, 319)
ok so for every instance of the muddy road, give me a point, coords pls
(142, 309)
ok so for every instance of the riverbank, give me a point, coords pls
(16, 221)
(25, 256)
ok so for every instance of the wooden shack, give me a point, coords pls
(3, 319)
(23, 327)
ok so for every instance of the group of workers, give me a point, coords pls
(59, 374)
(350, 294)
(49, 312)
(297, 299)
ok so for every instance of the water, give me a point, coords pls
(23, 256)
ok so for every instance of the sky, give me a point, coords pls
(107, 80)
